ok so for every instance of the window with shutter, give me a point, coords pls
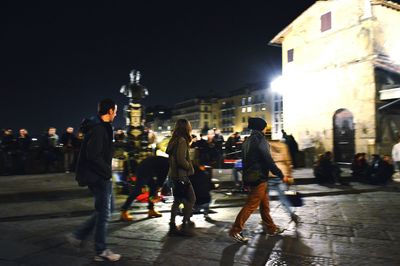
(326, 22)
(290, 55)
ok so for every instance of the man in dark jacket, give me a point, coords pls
(68, 140)
(8, 147)
(257, 162)
(94, 170)
(49, 143)
(23, 145)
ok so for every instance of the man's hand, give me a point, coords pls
(288, 180)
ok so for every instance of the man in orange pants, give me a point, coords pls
(257, 162)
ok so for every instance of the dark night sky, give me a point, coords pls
(58, 60)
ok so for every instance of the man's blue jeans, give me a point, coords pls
(104, 204)
(280, 187)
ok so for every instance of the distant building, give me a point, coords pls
(197, 111)
(158, 118)
(250, 101)
(341, 76)
(229, 113)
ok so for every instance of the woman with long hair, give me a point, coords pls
(180, 167)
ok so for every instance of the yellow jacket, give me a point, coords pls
(280, 154)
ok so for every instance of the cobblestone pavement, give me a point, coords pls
(353, 226)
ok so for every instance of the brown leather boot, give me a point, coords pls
(126, 217)
(153, 213)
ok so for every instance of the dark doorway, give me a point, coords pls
(343, 136)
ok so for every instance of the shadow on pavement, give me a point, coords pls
(134, 221)
(218, 223)
(228, 254)
(171, 246)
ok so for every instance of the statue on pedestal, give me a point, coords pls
(137, 138)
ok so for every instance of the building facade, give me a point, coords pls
(197, 110)
(340, 76)
(230, 113)
(235, 109)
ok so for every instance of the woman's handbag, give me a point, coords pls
(180, 189)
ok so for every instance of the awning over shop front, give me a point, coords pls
(385, 63)
(389, 94)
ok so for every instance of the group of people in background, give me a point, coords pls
(23, 154)
(213, 148)
(20, 154)
(376, 171)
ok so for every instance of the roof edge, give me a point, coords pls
(277, 40)
(386, 3)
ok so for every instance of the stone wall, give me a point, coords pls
(331, 70)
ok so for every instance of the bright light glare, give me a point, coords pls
(277, 85)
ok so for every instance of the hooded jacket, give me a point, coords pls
(257, 156)
(94, 160)
(179, 158)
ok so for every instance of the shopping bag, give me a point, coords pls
(295, 198)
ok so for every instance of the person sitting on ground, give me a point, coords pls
(360, 166)
(150, 172)
(381, 170)
(325, 170)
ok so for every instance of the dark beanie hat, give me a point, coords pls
(257, 123)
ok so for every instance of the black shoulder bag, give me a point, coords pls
(180, 186)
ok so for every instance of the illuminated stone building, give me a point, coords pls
(341, 76)
(229, 113)
(196, 110)
(240, 104)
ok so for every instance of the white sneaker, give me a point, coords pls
(238, 237)
(278, 231)
(107, 255)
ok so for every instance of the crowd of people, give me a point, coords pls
(378, 170)
(181, 170)
(94, 171)
(213, 148)
(22, 154)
